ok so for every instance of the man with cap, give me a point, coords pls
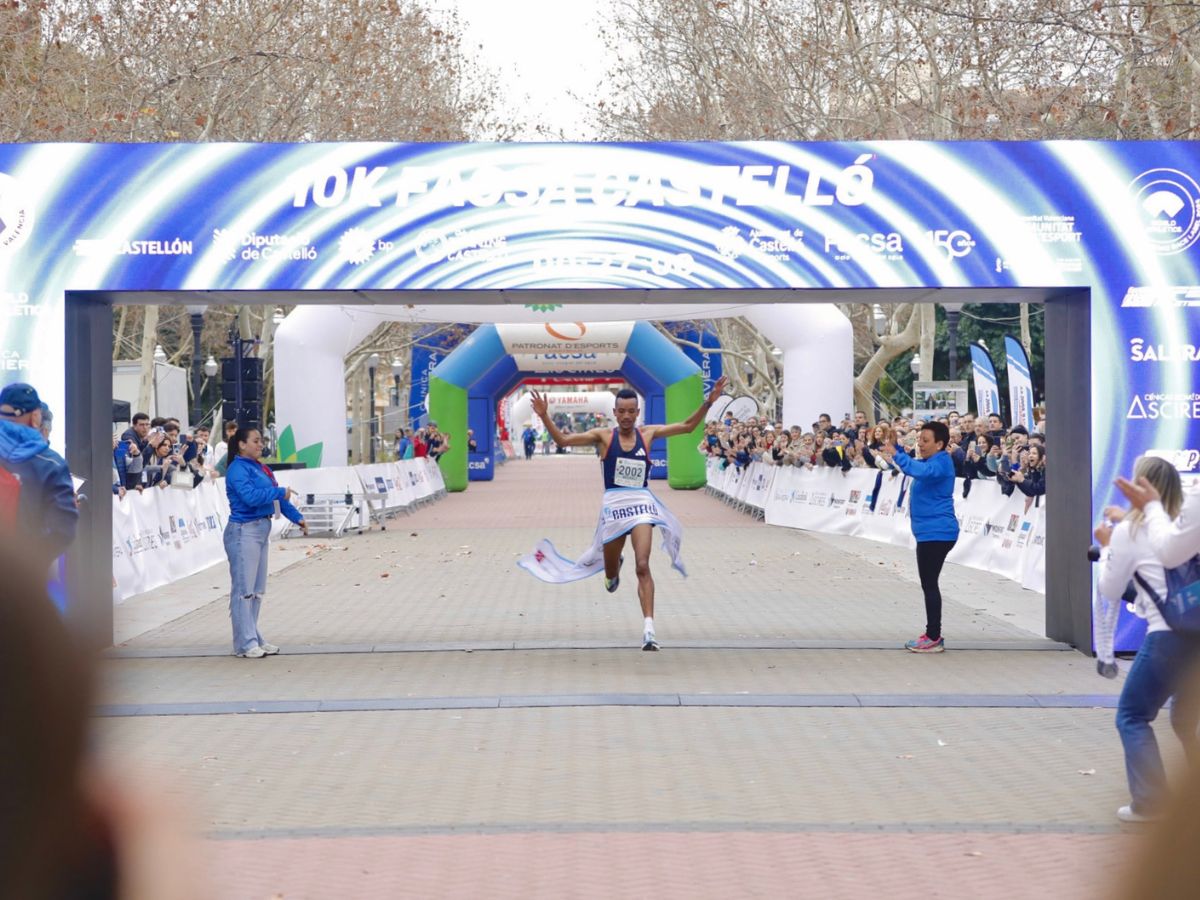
(37, 497)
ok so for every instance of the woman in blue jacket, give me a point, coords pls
(253, 495)
(934, 525)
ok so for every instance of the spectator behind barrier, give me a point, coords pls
(37, 495)
(978, 447)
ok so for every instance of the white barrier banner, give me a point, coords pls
(385, 480)
(163, 534)
(1000, 534)
(435, 477)
(758, 484)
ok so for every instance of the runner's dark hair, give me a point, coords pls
(626, 394)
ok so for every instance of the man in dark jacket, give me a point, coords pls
(36, 479)
(130, 456)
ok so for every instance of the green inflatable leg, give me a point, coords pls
(685, 464)
(448, 407)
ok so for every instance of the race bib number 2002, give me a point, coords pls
(630, 473)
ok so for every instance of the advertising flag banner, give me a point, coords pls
(427, 352)
(987, 388)
(1020, 383)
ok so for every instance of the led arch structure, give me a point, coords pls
(467, 384)
(1105, 234)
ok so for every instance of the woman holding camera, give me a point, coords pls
(1161, 669)
(163, 463)
(253, 498)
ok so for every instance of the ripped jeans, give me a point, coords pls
(246, 547)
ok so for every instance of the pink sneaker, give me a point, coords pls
(924, 644)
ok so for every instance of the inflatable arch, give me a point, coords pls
(1105, 234)
(466, 385)
(312, 342)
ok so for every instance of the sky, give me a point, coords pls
(542, 51)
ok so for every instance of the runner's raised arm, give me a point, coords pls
(541, 406)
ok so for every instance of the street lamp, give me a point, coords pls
(196, 313)
(372, 365)
(914, 364)
(878, 319)
(953, 311)
(278, 316)
(160, 355)
(211, 367)
(397, 371)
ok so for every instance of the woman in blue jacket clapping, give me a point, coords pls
(934, 525)
(253, 498)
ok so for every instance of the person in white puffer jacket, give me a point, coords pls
(1163, 663)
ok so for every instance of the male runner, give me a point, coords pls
(629, 508)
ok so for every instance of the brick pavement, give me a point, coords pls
(605, 801)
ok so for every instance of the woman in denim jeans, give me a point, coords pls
(1162, 664)
(253, 495)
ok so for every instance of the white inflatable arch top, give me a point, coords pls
(311, 345)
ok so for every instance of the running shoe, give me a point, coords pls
(649, 642)
(269, 649)
(255, 652)
(610, 584)
(1129, 814)
(924, 644)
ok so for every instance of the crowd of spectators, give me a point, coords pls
(429, 441)
(157, 453)
(981, 447)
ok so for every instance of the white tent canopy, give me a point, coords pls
(311, 345)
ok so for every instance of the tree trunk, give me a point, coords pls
(119, 337)
(928, 343)
(1026, 338)
(149, 340)
(890, 346)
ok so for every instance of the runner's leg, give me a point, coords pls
(612, 556)
(642, 536)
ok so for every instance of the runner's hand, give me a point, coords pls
(541, 405)
(717, 389)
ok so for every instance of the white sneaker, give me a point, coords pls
(1126, 814)
(268, 649)
(255, 652)
(649, 642)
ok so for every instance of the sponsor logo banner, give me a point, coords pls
(566, 340)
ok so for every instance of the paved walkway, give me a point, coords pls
(442, 724)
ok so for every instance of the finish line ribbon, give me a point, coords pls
(620, 510)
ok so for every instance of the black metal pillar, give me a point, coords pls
(371, 414)
(952, 327)
(88, 418)
(197, 405)
(1069, 442)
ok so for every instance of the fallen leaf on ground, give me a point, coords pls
(1087, 771)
